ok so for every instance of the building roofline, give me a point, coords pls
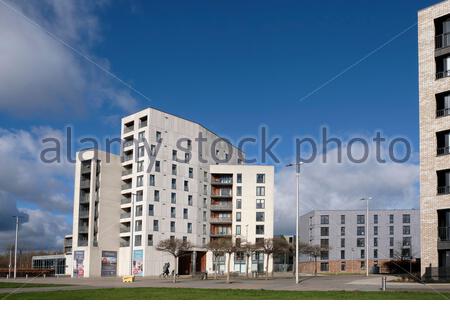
(359, 210)
(431, 6)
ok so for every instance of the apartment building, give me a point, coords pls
(434, 95)
(341, 235)
(95, 212)
(165, 186)
(242, 210)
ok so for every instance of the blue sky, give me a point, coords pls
(230, 65)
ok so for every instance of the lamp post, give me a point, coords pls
(131, 233)
(297, 166)
(15, 246)
(367, 199)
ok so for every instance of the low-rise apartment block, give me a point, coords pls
(341, 235)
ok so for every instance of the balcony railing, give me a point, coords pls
(128, 129)
(83, 228)
(442, 40)
(126, 186)
(443, 190)
(125, 215)
(444, 233)
(126, 172)
(84, 198)
(442, 112)
(221, 220)
(223, 181)
(125, 200)
(124, 244)
(127, 144)
(222, 195)
(222, 206)
(82, 243)
(442, 74)
(143, 124)
(127, 157)
(124, 229)
(443, 151)
(83, 214)
(221, 234)
(85, 183)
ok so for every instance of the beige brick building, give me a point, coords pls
(434, 100)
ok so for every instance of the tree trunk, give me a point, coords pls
(175, 270)
(217, 266)
(315, 266)
(267, 266)
(246, 266)
(228, 268)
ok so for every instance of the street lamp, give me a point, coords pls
(131, 233)
(297, 166)
(15, 245)
(367, 199)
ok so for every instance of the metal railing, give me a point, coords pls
(128, 143)
(125, 200)
(85, 183)
(442, 41)
(126, 172)
(444, 233)
(85, 198)
(82, 243)
(83, 228)
(442, 74)
(443, 190)
(222, 206)
(124, 229)
(221, 234)
(143, 124)
(124, 244)
(128, 129)
(221, 220)
(126, 186)
(86, 169)
(125, 215)
(83, 214)
(442, 112)
(127, 157)
(443, 151)
(222, 181)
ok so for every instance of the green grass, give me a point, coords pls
(7, 285)
(219, 294)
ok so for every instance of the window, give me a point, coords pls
(151, 210)
(156, 196)
(191, 173)
(324, 232)
(260, 204)
(360, 242)
(174, 155)
(140, 152)
(238, 204)
(204, 216)
(391, 242)
(324, 255)
(343, 266)
(239, 178)
(260, 191)
(406, 241)
(141, 136)
(138, 225)
(150, 240)
(324, 243)
(260, 178)
(139, 196)
(172, 226)
(138, 211)
(140, 166)
(406, 230)
(342, 231)
(406, 218)
(139, 181)
(204, 229)
(153, 150)
(158, 166)
(185, 213)
(260, 216)
(239, 191)
(151, 180)
(342, 219)
(205, 176)
(173, 198)
(363, 254)
(238, 230)
(138, 240)
(406, 253)
(342, 254)
(375, 242)
(324, 219)
(155, 225)
(360, 219)
(391, 218)
(189, 227)
(391, 230)
(142, 122)
(363, 265)
(238, 217)
(342, 242)
(360, 231)
(174, 184)
(173, 212)
(186, 185)
(259, 230)
(190, 200)
(324, 267)
(158, 136)
(375, 219)
(187, 157)
(375, 253)
(174, 169)
(391, 253)
(375, 230)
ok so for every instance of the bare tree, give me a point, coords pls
(220, 247)
(271, 246)
(177, 248)
(247, 249)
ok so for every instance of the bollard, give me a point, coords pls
(26, 276)
(44, 275)
(383, 283)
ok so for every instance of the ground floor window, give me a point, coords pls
(258, 262)
(343, 266)
(324, 267)
(239, 262)
(219, 263)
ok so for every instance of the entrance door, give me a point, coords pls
(185, 265)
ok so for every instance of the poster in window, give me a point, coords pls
(78, 264)
(109, 264)
(138, 263)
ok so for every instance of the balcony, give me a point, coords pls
(126, 186)
(224, 206)
(222, 195)
(125, 201)
(442, 112)
(443, 151)
(84, 198)
(83, 228)
(82, 242)
(124, 229)
(128, 128)
(127, 143)
(443, 190)
(220, 234)
(126, 172)
(124, 244)
(125, 215)
(444, 233)
(222, 181)
(221, 220)
(85, 184)
(83, 214)
(127, 157)
(442, 41)
(85, 169)
(143, 123)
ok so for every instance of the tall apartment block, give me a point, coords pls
(392, 234)
(175, 179)
(434, 95)
(95, 211)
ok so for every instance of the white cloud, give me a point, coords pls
(340, 186)
(26, 177)
(38, 74)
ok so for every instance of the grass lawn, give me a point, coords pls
(6, 285)
(218, 294)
